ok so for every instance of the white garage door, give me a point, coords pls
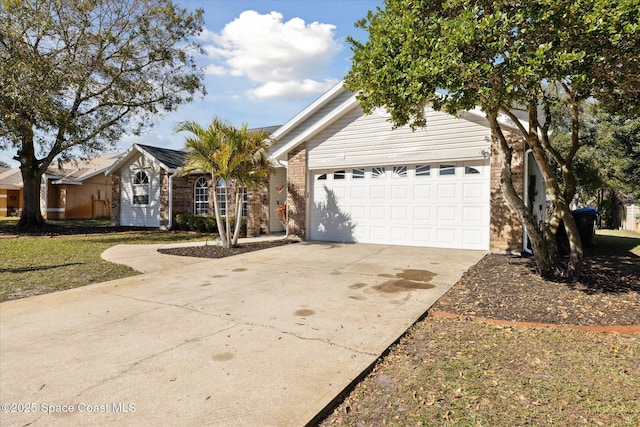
(436, 205)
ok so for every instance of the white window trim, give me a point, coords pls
(135, 186)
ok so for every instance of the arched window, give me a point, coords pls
(141, 188)
(220, 194)
(201, 197)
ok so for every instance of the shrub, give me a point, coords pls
(182, 221)
(204, 224)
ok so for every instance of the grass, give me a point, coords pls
(38, 265)
(448, 372)
(625, 239)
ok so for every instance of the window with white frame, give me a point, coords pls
(244, 201)
(447, 169)
(201, 197)
(423, 170)
(378, 172)
(399, 172)
(222, 203)
(220, 195)
(141, 188)
(470, 170)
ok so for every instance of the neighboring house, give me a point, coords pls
(630, 214)
(352, 178)
(149, 191)
(10, 192)
(77, 190)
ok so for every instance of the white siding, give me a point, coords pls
(139, 215)
(369, 140)
(312, 121)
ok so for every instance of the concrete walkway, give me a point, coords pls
(267, 338)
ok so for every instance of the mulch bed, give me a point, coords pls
(213, 251)
(508, 288)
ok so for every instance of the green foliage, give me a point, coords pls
(205, 224)
(77, 75)
(515, 61)
(237, 156)
(462, 53)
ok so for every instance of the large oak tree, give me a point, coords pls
(78, 74)
(510, 58)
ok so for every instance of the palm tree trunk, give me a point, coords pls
(226, 242)
(238, 217)
(216, 211)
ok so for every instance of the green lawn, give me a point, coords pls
(39, 265)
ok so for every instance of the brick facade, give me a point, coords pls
(253, 213)
(297, 192)
(506, 229)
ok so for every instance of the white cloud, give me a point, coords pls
(292, 89)
(286, 59)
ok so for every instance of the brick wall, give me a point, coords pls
(297, 192)
(253, 213)
(506, 229)
(183, 192)
(265, 203)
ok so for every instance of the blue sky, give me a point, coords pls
(265, 61)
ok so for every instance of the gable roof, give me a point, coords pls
(74, 172)
(168, 159)
(287, 131)
(10, 178)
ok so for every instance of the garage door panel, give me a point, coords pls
(473, 214)
(358, 192)
(422, 191)
(358, 213)
(445, 236)
(378, 192)
(474, 238)
(422, 213)
(399, 234)
(377, 212)
(473, 191)
(449, 211)
(399, 213)
(422, 235)
(447, 191)
(399, 192)
(446, 214)
(377, 233)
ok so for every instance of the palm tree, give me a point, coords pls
(251, 166)
(237, 156)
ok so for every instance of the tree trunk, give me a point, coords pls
(216, 210)
(31, 215)
(226, 242)
(545, 251)
(238, 216)
(31, 176)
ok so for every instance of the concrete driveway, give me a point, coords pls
(267, 338)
